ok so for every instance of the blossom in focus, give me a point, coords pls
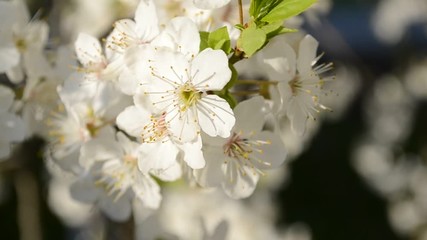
(179, 88)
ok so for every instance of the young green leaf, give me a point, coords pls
(220, 40)
(251, 40)
(287, 9)
(204, 36)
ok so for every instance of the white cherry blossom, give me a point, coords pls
(20, 37)
(180, 88)
(159, 147)
(210, 4)
(128, 33)
(236, 163)
(114, 181)
(299, 83)
(94, 64)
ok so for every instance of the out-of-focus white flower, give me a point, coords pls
(128, 33)
(114, 181)
(416, 79)
(95, 65)
(237, 162)
(12, 127)
(206, 214)
(210, 4)
(40, 96)
(76, 14)
(393, 17)
(89, 109)
(60, 200)
(389, 111)
(19, 38)
(299, 83)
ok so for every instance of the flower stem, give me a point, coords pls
(240, 11)
(256, 82)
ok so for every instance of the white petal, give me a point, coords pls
(169, 72)
(193, 154)
(128, 146)
(36, 64)
(211, 175)
(99, 149)
(297, 117)
(6, 98)
(16, 73)
(160, 156)
(116, 209)
(215, 116)
(133, 120)
(209, 70)
(9, 57)
(88, 49)
(170, 174)
(146, 19)
(147, 190)
(210, 4)
(76, 89)
(23, 15)
(84, 190)
(182, 35)
(36, 34)
(182, 124)
(127, 82)
(238, 185)
(8, 16)
(271, 155)
(12, 128)
(121, 38)
(306, 54)
(250, 114)
(279, 60)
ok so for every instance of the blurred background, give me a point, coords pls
(361, 174)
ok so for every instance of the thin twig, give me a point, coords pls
(28, 206)
(240, 11)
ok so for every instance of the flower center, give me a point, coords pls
(130, 161)
(155, 130)
(295, 84)
(189, 96)
(21, 45)
(237, 147)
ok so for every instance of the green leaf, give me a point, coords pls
(272, 27)
(260, 8)
(224, 93)
(220, 40)
(204, 36)
(287, 30)
(229, 98)
(234, 77)
(287, 9)
(239, 26)
(251, 40)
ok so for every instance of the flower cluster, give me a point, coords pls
(160, 99)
